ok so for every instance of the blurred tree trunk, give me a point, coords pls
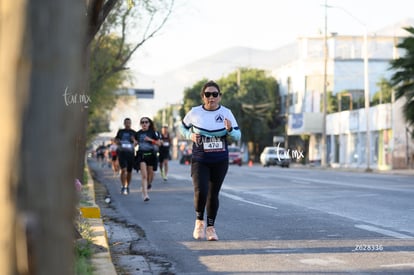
(53, 125)
(12, 73)
(43, 109)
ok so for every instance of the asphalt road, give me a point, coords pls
(276, 221)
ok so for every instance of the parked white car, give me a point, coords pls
(275, 156)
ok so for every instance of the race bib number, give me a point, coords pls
(213, 146)
(166, 143)
(127, 146)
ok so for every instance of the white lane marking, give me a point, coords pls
(237, 198)
(366, 195)
(329, 261)
(178, 177)
(300, 181)
(398, 265)
(383, 231)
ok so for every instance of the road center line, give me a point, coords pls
(300, 181)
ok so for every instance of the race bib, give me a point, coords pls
(166, 143)
(127, 146)
(213, 146)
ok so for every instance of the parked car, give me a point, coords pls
(275, 156)
(235, 155)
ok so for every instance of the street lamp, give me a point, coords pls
(366, 81)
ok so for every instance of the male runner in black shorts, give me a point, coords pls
(125, 139)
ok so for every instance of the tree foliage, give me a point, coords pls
(384, 94)
(133, 26)
(256, 104)
(403, 78)
(102, 86)
(344, 100)
(192, 96)
(126, 28)
(99, 11)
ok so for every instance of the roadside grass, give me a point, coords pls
(83, 249)
(83, 245)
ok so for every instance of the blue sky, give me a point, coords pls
(199, 28)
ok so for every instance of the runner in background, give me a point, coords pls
(147, 139)
(100, 153)
(114, 157)
(164, 152)
(125, 138)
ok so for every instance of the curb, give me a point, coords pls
(101, 261)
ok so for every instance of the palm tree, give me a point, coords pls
(403, 78)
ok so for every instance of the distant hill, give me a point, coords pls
(233, 58)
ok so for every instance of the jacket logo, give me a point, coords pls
(219, 118)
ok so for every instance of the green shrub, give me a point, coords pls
(83, 249)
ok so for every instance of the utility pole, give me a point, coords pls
(325, 84)
(367, 98)
(287, 105)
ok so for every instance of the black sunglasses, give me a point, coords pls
(144, 122)
(208, 94)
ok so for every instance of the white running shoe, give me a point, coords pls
(211, 234)
(198, 232)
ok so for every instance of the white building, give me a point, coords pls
(302, 87)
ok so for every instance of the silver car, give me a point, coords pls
(275, 156)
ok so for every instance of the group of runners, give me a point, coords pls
(143, 150)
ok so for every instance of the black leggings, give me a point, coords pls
(207, 181)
